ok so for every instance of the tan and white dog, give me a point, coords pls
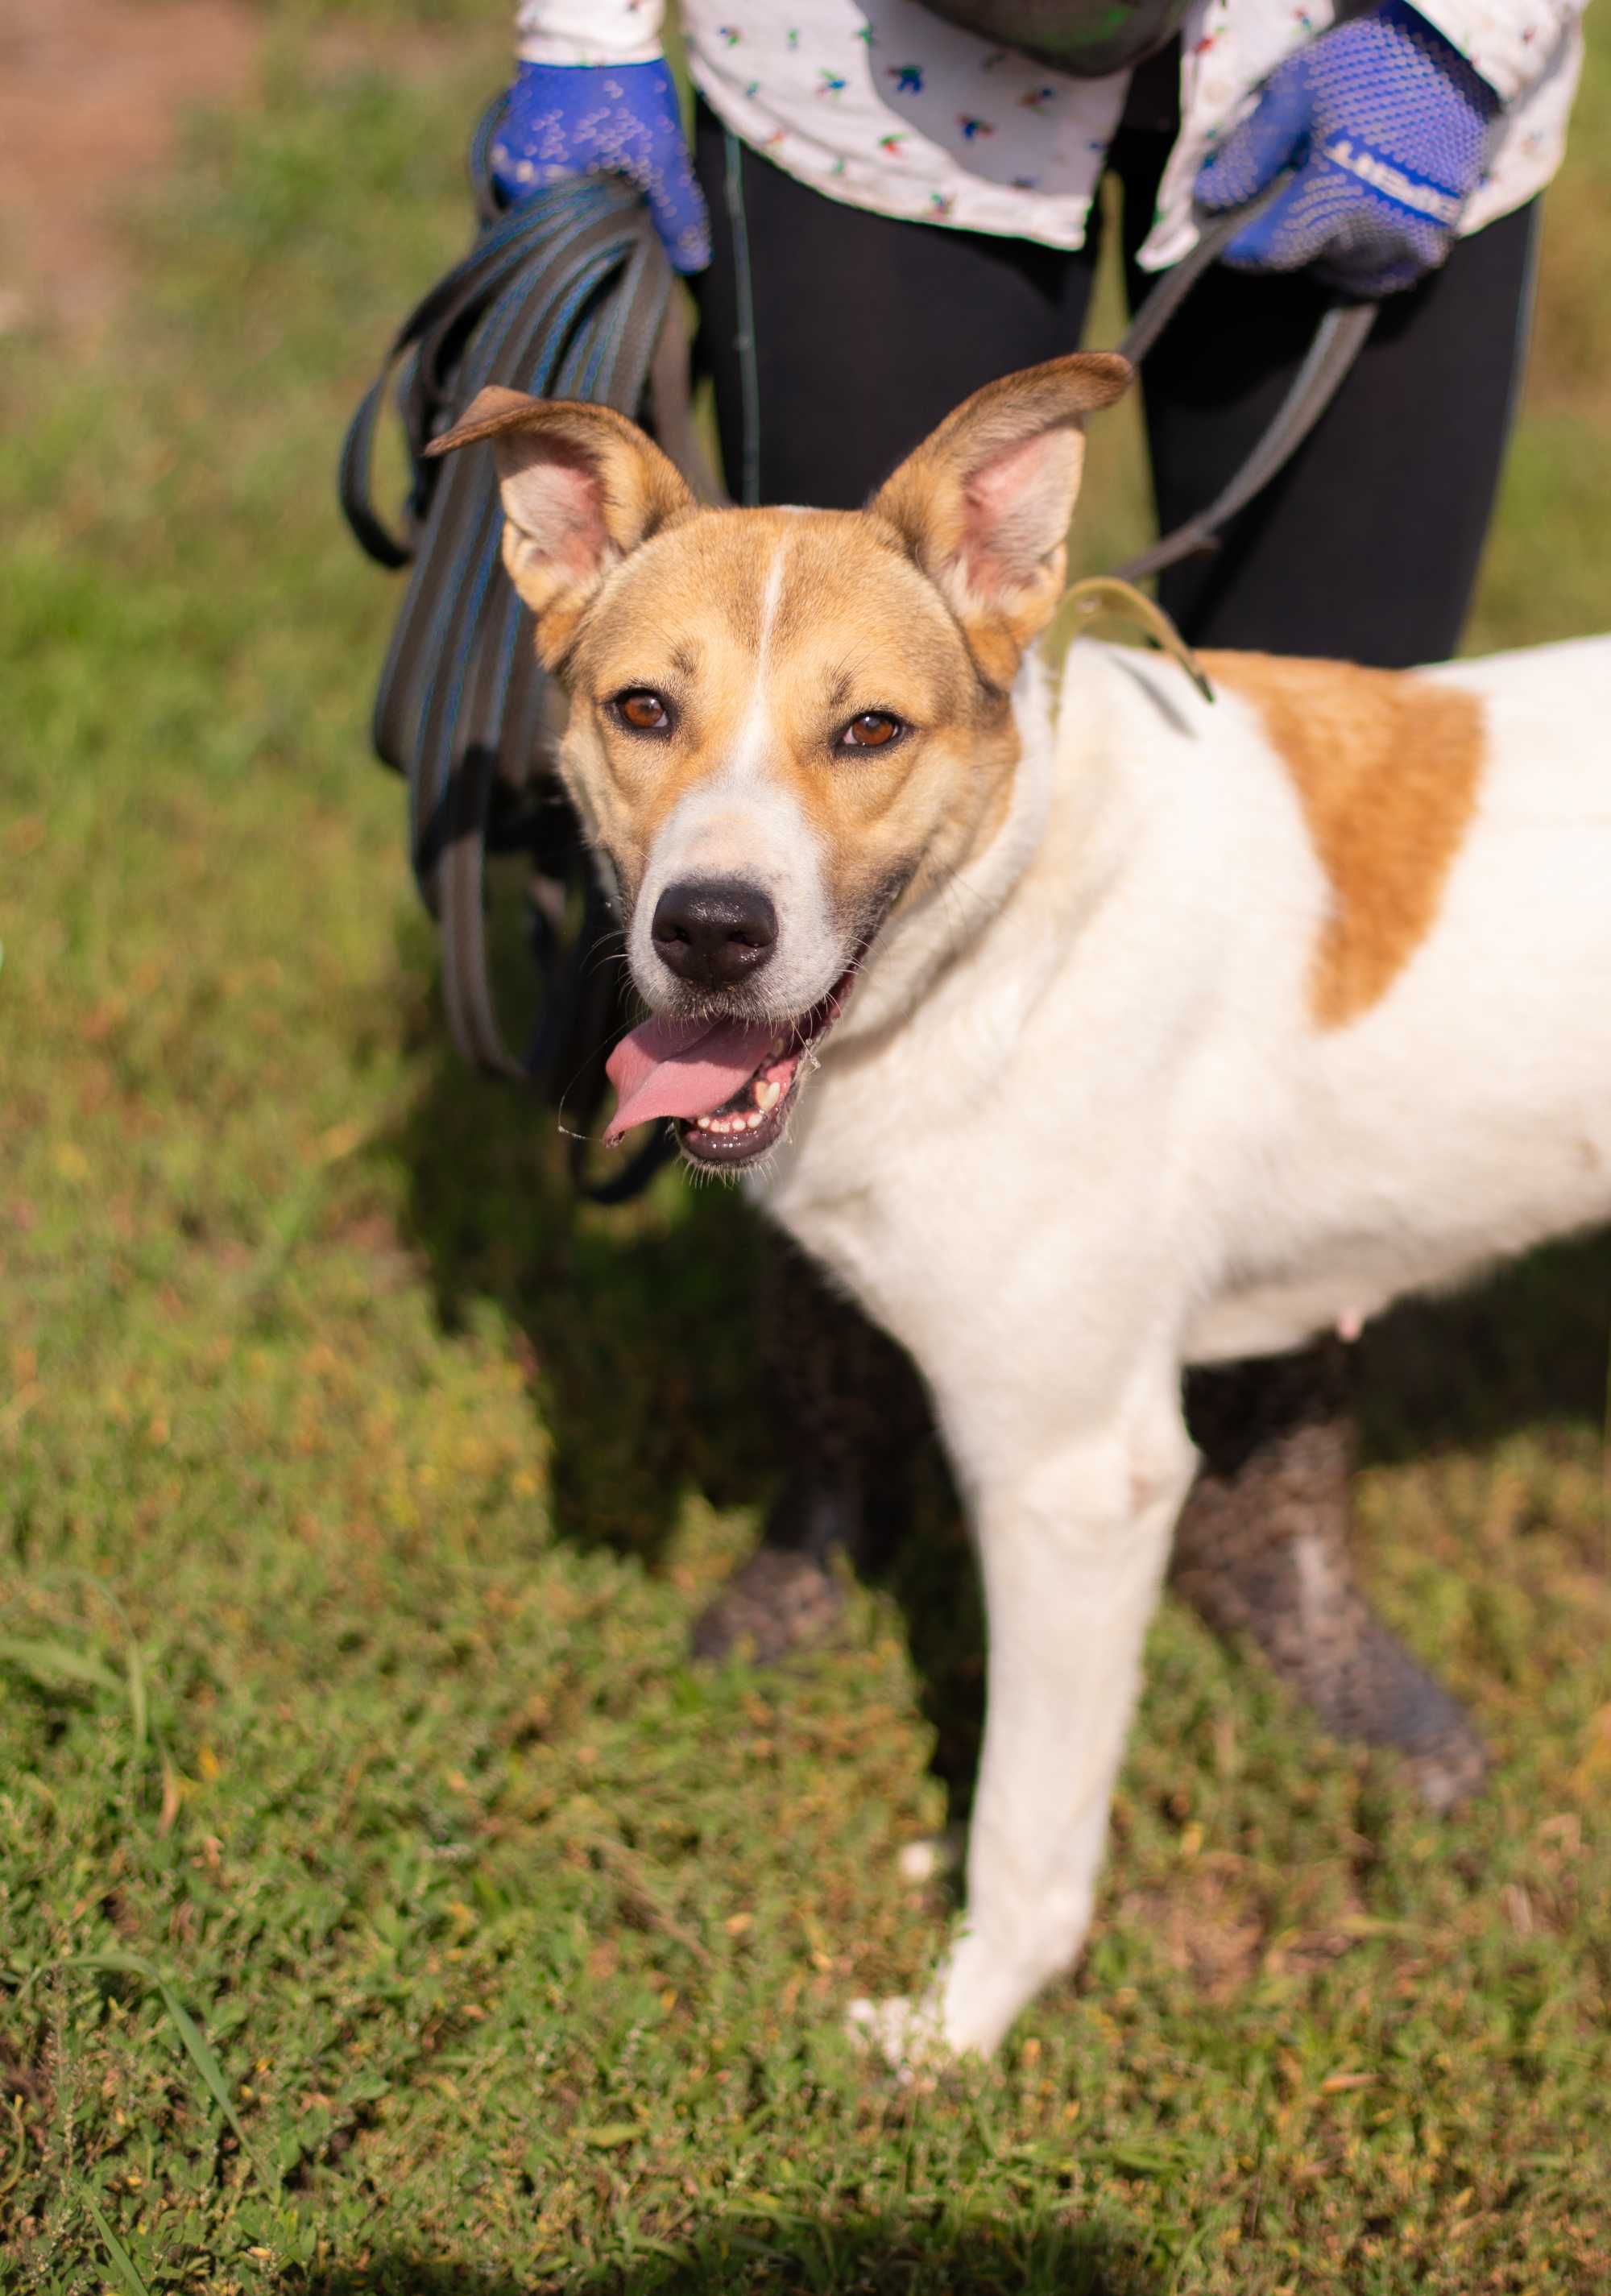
(1079, 1043)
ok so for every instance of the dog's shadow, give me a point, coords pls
(635, 1324)
(1528, 1348)
(639, 1326)
(875, 2256)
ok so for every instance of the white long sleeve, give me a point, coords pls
(589, 31)
(1510, 42)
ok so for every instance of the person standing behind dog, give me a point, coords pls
(887, 205)
(884, 209)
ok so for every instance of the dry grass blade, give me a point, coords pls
(139, 1712)
(644, 1899)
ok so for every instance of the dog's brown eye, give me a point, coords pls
(873, 730)
(642, 710)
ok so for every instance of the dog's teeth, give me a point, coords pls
(705, 1124)
(777, 1044)
(752, 1121)
(767, 1094)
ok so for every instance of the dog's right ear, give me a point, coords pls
(983, 505)
(581, 487)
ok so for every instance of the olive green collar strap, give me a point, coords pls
(1109, 593)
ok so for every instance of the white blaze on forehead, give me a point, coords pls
(751, 748)
(743, 821)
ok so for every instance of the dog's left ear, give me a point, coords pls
(581, 487)
(985, 503)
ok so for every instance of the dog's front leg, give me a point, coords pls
(1073, 1556)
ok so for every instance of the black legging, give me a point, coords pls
(868, 330)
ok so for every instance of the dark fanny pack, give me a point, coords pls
(1089, 39)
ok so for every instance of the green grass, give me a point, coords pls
(385, 1902)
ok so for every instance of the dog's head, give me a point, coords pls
(784, 723)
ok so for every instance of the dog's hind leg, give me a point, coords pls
(1263, 1549)
(847, 1412)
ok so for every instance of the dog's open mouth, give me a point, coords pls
(729, 1085)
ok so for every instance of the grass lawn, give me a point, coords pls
(385, 1903)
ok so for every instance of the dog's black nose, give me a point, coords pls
(714, 932)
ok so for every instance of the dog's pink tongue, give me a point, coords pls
(681, 1068)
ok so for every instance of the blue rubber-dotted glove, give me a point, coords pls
(617, 120)
(1385, 124)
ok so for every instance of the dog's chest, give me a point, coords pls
(912, 1176)
(877, 1183)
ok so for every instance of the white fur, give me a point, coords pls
(1107, 1138)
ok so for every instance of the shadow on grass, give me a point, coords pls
(872, 2256)
(1529, 1350)
(636, 1325)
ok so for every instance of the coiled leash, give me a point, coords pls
(570, 295)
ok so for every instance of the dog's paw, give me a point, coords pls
(907, 2034)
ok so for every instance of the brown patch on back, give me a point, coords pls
(1386, 766)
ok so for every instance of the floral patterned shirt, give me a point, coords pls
(883, 104)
